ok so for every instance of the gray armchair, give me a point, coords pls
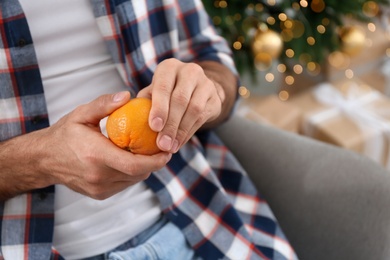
(331, 203)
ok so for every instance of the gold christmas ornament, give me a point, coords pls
(263, 61)
(353, 40)
(370, 8)
(339, 60)
(317, 6)
(267, 41)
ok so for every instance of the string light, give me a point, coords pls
(269, 77)
(289, 80)
(284, 95)
(317, 6)
(237, 45)
(259, 7)
(349, 73)
(237, 17)
(321, 29)
(290, 53)
(282, 67)
(303, 3)
(298, 29)
(325, 21)
(298, 69)
(287, 35)
(271, 20)
(222, 4)
(282, 17)
(311, 66)
(296, 6)
(339, 60)
(288, 24)
(310, 40)
(271, 2)
(370, 9)
(251, 6)
(243, 92)
(371, 27)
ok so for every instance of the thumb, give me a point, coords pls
(146, 92)
(101, 107)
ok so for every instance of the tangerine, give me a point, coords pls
(128, 127)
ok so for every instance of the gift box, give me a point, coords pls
(368, 64)
(348, 114)
(271, 110)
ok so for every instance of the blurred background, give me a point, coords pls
(319, 68)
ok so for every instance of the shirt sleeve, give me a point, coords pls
(198, 39)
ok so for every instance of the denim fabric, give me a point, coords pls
(161, 241)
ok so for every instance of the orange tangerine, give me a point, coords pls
(128, 127)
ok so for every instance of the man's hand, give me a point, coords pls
(75, 153)
(186, 97)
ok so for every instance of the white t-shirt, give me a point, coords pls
(76, 68)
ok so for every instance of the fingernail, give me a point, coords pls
(119, 96)
(175, 146)
(165, 143)
(157, 124)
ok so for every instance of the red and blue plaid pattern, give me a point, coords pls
(22, 107)
(203, 189)
(27, 220)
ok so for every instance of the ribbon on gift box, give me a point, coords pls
(385, 21)
(386, 72)
(353, 105)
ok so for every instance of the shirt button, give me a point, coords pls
(21, 43)
(42, 195)
(35, 120)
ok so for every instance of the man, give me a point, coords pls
(67, 190)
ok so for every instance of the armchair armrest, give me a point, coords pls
(331, 203)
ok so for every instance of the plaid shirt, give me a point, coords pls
(203, 189)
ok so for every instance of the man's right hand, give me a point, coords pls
(75, 153)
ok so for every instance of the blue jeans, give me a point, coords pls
(163, 240)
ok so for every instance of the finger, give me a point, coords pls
(202, 120)
(145, 163)
(191, 133)
(194, 116)
(134, 164)
(99, 108)
(145, 92)
(163, 82)
(182, 96)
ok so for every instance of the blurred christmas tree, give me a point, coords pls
(299, 34)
